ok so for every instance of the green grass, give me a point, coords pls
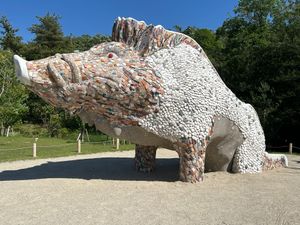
(9, 148)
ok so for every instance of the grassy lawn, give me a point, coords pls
(20, 148)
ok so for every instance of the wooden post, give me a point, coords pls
(113, 141)
(34, 150)
(34, 147)
(79, 135)
(291, 148)
(79, 146)
(118, 143)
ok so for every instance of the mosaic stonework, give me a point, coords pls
(274, 161)
(145, 158)
(155, 88)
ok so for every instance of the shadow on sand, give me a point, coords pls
(97, 168)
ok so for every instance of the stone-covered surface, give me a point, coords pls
(110, 79)
(191, 165)
(272, 161)
(154, 87)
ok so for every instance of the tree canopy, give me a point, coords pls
(260, 62)
(12, 93)
(8, 39)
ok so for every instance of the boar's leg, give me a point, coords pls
(145, 157)
(192, 158)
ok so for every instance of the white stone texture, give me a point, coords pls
(194, 94)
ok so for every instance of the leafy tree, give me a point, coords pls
(9, 40)
(49, 38)
(85, 42)
(207, 40)
(12, 94)
(178, 28)
(39, 111)
(260, 63)
(48, 33)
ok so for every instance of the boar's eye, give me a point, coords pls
(110, 55)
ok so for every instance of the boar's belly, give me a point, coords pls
(134, 134)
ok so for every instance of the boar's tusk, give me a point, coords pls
(55, 74)
(21, 70)
(76, 76)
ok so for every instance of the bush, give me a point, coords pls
(63, 133)
(31, 130)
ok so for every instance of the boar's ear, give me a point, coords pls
(147, 39)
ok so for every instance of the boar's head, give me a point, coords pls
(111, 79)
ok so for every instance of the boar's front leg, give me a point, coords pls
(145, 157)
(192, 158)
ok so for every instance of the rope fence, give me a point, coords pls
(12, 149)
(49, 146)
(114, 142)
(284, 146)
(290, 147)
(78, 144)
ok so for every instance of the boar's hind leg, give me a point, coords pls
(145, 158)
(192, 158)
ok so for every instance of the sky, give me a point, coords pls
(97, 17)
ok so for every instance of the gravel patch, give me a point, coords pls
(105, 189)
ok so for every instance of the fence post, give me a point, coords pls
(118, 143)
(34, 147)
(291, 148)
(78, 146)
(34, 150)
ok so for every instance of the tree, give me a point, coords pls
(260, 62)
(49, 38)
(9, 40)
(12, 93)
(48, 32)
(207, 40)
(85, 42)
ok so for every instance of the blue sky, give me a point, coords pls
(92, 17)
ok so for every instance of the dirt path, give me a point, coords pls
(105, 189)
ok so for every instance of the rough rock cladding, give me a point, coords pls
(194, 93)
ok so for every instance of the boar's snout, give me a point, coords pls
(21, 70)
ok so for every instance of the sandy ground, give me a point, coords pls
(105, 189)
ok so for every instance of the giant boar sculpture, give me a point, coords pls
(155, 88)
